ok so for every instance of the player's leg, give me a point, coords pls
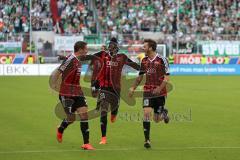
(114, 115)
(65, 123)
(114, 108)
(67, 105)
(157, 110)
(162, 109)
(146, 125)
(82, 111)
(103, 108)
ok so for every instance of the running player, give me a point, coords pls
(156, 69)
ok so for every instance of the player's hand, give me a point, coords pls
(131, 92)
(157, 91)
(94, 92)
(61, 57)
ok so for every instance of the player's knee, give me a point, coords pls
(83, 113)
(146, 112)
(71, 119)
(147, 117)
(104, 106)
(114, 107)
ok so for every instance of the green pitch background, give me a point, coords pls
(205, 114)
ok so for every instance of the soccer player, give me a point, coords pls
(71, 95)
(109, 65)
(156, 69)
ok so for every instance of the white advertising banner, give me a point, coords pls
(20, 69)
(47, 69)
(26, 69)
(66, 43)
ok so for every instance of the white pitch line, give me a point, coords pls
(114, 149)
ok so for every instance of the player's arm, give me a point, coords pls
(163, 84)
(132, 64)
(61, 57)
(135, 85)
(56, 79)
(87, 57)
(96, 66)
(137, 81)
(165, 79)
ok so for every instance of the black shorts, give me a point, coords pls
(108, 96)
(157, 103)
(71, 104)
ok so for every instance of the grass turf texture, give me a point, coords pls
(205, 123)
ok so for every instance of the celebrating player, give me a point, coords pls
(156, 69)
(71, 95)
(109, 79)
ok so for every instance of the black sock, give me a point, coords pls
(146, 128)
(85, 131)
(63, 125)
(115, 112)
(103, 121)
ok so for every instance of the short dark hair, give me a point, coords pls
(79, 45)
(114, 39)
(151, 43)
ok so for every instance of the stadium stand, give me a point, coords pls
(126, 19)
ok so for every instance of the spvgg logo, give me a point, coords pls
(111, 63)
(151, 70)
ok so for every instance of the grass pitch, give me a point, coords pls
(204, 112)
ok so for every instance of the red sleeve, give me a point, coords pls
(97, 64)
(142, 68)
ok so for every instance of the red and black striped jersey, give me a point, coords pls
(155, 71)
(108, 69)
(71, 72)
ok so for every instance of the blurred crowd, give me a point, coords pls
(75, 17)
(14, 18)
(209, 19)
(197, 19)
